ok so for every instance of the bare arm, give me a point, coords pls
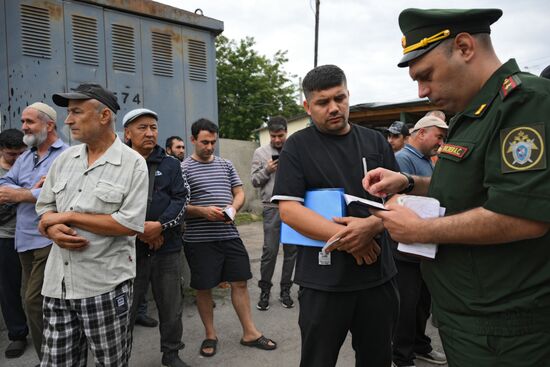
(238, 197)
(103, 224)
(306, 221)
(477, 226)
(356, 234)
(212, 213)
(13, 195)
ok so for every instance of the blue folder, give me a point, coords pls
(327, 202)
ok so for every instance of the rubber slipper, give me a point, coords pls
(209, 343)
(261, 343)
(15, 349)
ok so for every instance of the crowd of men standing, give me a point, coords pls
(95, 224)
(98, 222)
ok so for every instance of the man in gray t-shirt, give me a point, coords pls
(11, 146)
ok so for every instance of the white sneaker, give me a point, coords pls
(434, 357)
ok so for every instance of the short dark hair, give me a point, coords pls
(323, 77)
(11, 139)
(170, 140)
(276, 123)
(203, 124)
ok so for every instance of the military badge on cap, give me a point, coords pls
(522, 149)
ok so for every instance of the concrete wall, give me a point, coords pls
(240, 153)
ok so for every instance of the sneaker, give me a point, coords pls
(409, 365)
(434, 357)
(146, 321)
(172, 359)
(285, 299)
(263, 303)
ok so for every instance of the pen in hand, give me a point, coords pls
(365, 169)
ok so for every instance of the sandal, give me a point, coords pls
(208, 343)
(15, 349)
(261, 343)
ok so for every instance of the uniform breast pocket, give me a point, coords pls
(60, 189)
(108, 197)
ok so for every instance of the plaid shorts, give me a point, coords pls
(102, 322)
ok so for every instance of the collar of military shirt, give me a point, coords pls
(492, 88)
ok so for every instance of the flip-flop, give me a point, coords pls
(208, 343)
(261, 343)
(15, 349)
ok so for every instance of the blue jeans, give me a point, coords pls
(10, 291)
(164, 272)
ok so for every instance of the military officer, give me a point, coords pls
(490, 280)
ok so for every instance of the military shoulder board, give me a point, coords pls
(509, 84)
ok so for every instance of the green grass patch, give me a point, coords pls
(246, 218)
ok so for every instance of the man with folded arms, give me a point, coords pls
(92, 206)
(21, 186)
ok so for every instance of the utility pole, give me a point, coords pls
(317, 5)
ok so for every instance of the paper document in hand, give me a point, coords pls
(371, 204)
(425, 208)
(229, 213)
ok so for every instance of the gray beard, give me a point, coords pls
(34, 140)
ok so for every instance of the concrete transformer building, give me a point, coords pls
(151, 55)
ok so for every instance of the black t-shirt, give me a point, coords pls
(313, 160)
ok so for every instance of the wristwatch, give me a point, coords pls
(410, 185)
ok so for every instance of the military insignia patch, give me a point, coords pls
(509, 84)
(454, 150)
(523, 149)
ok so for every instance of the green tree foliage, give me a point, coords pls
(251, 88)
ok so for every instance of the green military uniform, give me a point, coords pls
(500, 290)
(493, 301)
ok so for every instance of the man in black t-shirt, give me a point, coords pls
(357, 291)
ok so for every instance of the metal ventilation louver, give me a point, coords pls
(197, 61)
(124, 48)
(85, 40)
(36, 38)
(162, 54)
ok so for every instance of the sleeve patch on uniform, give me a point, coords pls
(522, 148)
(454, 150)
(509, 84)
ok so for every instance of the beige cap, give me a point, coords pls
(429, 121)
(44, 108)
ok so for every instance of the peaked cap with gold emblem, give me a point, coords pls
(424, 29)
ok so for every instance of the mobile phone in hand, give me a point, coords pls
(274, 157)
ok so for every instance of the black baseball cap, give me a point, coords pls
(399, 128)
(88, 91)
